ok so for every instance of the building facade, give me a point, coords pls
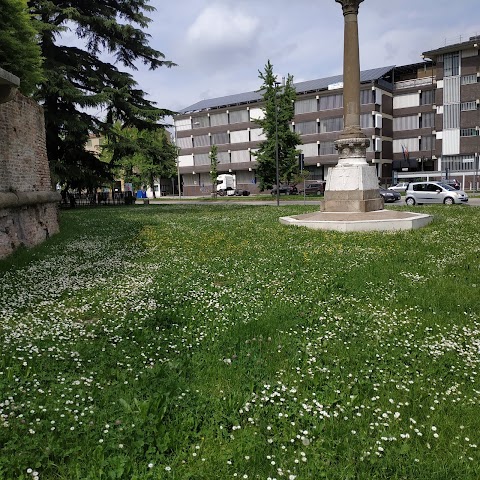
(422, 121)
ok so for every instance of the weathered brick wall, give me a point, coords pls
(28, 206)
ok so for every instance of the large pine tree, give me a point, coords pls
(78, 79)
(279, 109)
(19, 51)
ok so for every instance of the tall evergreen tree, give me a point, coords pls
(213, 155)
(77, 80)
(19, 51)
(279, 109)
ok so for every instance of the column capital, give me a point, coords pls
(350, 6)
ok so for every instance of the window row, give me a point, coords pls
(330, 102)
(256, 134)
(215, 119)
(458, 162)
(468, 79)
(222, 138)
(469, 132)
(467, 106)
(413, 122)
(425, 143)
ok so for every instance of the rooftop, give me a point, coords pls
(300, 87)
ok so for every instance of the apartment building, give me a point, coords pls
(422, 121)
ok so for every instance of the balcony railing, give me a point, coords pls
(416, 82)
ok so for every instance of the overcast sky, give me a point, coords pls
(221, 45)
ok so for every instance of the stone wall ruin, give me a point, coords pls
(28, 206)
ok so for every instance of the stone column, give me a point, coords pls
(352, 185)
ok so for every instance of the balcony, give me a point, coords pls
(414, 83)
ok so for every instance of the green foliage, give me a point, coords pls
(140, 156)
(19, 51)
(279, 111)
(78, 81)
(214, 168)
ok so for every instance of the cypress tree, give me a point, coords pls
(279, 109)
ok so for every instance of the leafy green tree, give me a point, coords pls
(85, 78)
(279, 108)
(214, 169)
(19, 50)
(141, 156)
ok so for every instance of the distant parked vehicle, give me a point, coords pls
(433, 192)
(226, 185)
(389, 196)
(286, 189)
(317, 188)
(399, 187)
(452, 182)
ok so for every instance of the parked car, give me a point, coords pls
(286, 189)
(399, 187)
(317, 188)
(389, 196)
(453, 182)
(433, 192)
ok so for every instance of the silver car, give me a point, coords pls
(433, 192)
(399, 187)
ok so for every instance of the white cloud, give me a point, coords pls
(221, 32)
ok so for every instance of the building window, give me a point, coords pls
(220, 138)
(427, 143)
(451, 64)
(184, 142)
(201, 122)
(331, 125)
(305, 106)
(427, 97)
(451, 116)
(458, 162)
(468, 132)
(306, 128)
(240, 136)
(309, 149)
(427, 120)
(467, 106)
(239, 116)
(217, 119)
(366, 120)
(201, 159)
(330, 102)
(367, 97)
(223, 157)
(468, 79)
(405, 145)
(409, 122)
(201, 141)
(185, 124)
(327, 148)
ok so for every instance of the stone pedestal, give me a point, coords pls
(352, 185)
(352, 188)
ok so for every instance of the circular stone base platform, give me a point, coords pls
(378, 220)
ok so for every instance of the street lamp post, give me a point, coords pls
(277, 166)
(178, 159)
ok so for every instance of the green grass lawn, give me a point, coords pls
(212, 342)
